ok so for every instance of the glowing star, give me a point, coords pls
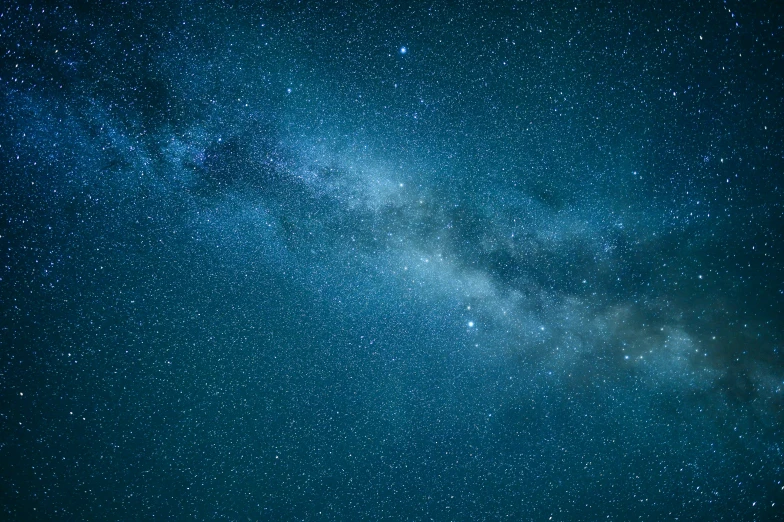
(470, 324)
(403, 50)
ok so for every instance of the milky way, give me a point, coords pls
(444, 262)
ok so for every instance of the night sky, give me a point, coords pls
(360, 261)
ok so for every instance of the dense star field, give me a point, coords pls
(349, 261)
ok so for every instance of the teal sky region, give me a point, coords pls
(389, 261)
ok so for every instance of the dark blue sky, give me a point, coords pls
(260, 263)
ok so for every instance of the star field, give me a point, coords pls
(339, 261)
